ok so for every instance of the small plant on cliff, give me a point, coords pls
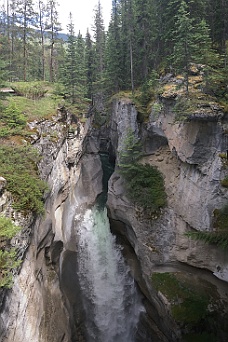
(219, 236)
(224, 182)
(144, 183)
(8, 263)
(7, 228)
(8, 258)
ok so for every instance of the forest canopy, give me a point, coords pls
(143, 36)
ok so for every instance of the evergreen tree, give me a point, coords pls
(71, 61)
(80, 67)
(144, 39)
(184, 41)
(42, 20)
(89, 64)
(114, 50)
(53, 26)
(99, 51)
(26, 18)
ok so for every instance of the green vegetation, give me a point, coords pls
(12, 121)
(8, 258)
(143, 39)
(218, 237)
(189, 305)
(144, 183)
(182, 108)
(30, 90)
(200, 337)
(190, 300)
(224, 182)
(7, 228)
(221, 219)
(8, 263)
(42, 108)
(18, 167)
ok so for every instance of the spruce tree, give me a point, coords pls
(99, 51)
(114, 51)
(89, 64)
(42, 18)
(53, 26)
(184, 41)
(80, 67)
(26, 18)
(70, 79)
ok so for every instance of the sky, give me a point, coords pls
(83, 13)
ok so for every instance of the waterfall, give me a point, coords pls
(111, 302)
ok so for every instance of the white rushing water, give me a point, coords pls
(112, 305)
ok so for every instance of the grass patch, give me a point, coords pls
(30, 90)
(36, 109)
(18, 165)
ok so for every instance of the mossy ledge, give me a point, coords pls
(194, 304)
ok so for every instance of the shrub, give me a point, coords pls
(145, 186)
(13, 117)
(13, 121)
(18, 167)
(224, 182)
(219, 237)
(7, 228)
(144, 183)
(8, 263)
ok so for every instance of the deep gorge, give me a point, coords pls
(46, 301)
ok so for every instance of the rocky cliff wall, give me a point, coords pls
(187, 154)
(44, 304)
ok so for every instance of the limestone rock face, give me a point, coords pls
(125, 118)
(187, 154)
(44, 304)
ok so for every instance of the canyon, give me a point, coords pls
(45, 303)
